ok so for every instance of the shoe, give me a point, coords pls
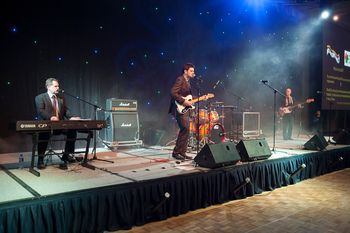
(178, 156)
(186, 157)
(68, 158)
(79, 158)
(63, 166)
(41, 164)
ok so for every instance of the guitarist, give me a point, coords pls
(181, 88)
(288, 119)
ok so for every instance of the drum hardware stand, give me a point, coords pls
(275, 91)
(192, 140)
(96, 109)
(238, 98)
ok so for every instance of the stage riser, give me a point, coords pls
(124, 206)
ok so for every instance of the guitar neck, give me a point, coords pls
(296, 105)
(198, 99)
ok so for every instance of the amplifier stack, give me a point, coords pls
(122, 119)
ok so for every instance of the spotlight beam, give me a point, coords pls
(325, 14)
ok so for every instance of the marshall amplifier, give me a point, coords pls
(121, 105)
(122, 127)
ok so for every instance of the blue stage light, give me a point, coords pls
(325, 14)
(256, 3)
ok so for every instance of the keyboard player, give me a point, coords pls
(52, 106)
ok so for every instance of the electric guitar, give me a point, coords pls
(183, 109)
(289, 109)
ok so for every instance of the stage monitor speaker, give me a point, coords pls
(121, 127)
(253, 149)
(343, 137)
(217, 155)
(317, 142)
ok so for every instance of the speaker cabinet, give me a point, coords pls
(121, 127)
(217, 155)
(317, 142)
(343, 137)
(253, 149)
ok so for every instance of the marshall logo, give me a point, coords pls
(121, 105)
(125, 125)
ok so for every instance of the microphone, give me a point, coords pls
(301, 167)
(216, 84)
(264, 81)
(60, 91)
(199, 78)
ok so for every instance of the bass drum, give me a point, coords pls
(214, 132)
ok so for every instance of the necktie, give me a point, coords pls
(55, 105)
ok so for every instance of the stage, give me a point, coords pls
(144, 184)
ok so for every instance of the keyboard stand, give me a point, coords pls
(35, 139)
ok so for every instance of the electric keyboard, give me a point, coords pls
(39, 126)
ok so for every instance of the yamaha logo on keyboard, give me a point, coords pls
(27, 126)
(125, 125)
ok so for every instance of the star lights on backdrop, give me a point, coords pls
(228, 25)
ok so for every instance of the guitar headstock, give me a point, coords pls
(210, 95)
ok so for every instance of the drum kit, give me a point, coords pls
(207, 125)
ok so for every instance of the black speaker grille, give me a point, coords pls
(121, 127)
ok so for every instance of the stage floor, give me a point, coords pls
(129, 165)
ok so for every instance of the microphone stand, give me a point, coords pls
(198, 82)
(96, 108)
(275, 91)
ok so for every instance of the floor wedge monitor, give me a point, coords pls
(317, 142)
(217, 155)
(253, 149)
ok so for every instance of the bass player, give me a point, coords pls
(288, 119)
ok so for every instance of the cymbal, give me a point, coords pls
(229, 106)
(217, 103)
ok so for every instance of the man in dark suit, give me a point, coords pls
(181, 89)
(51, 106)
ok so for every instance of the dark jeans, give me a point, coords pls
(182, 137)
(70, 143)
(287, 126)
